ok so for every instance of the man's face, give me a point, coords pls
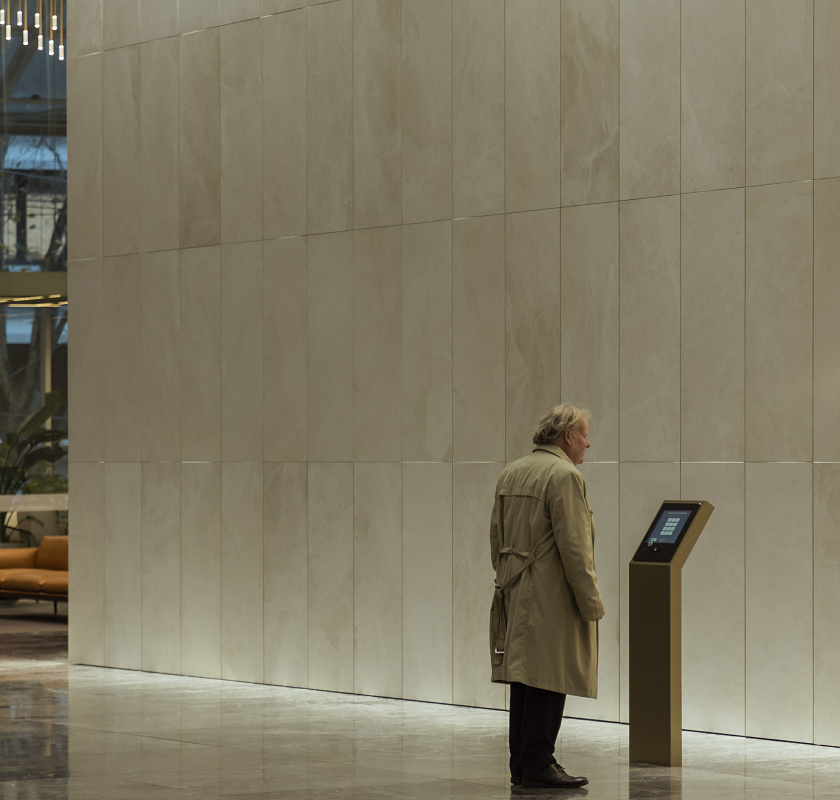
(576, 441)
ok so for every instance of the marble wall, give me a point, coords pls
(331, 260)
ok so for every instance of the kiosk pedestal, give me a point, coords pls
(656, 632)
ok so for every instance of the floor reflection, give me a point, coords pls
(33, 731)
(87, 733)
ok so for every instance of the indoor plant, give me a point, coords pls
(24, 453)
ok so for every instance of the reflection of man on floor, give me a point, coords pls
(543, 627)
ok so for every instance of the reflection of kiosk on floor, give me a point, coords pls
(656, 631)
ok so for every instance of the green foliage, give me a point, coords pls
(25, 458)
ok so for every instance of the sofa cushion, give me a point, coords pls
(18, 557)
(52, 554)
(55, 582)
(22, 580)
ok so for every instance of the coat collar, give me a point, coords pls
(554, 450)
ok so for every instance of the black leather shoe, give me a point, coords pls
(555, 777)
(516, 780)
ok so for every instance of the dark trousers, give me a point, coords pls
(535, 717)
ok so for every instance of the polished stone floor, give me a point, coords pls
(90, 733)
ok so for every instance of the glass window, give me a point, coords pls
(33, 151)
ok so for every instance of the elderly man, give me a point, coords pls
(543, 627)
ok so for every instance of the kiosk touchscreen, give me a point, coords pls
(667, 531)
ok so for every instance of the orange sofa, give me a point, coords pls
(36, 572)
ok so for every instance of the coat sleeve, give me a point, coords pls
(572, 525)
(495, 533)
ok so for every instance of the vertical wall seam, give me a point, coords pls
(813, 368)
(746, 354)
(452, 340)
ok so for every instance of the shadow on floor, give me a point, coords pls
(32, 631)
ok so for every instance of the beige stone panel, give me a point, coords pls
(650, 98)
(602, 482)
(121, 151)
(121, 358)
(427, 582)
(158, 20)
(242, 572)
(284, 567)
(241, 131)
(84, 28)
(200, 139)
(285, 313)
(426, 110)
(201, 367)
(160, 529)
(123, 571)
(650, 330)
(160, 401)
(472, 585)
(329, 117)
(713, 623)
(377, 98)
(201, 569)
(826, 89)
(198, 15)
(780, 91)
(533, 330)
(779, 358)
(242, 352)
(478, 339)
(330, 348)
(712, 326)
(120, 23)
(377, 579)
(713, 94)
(86, 375)
(159, 120)
(86, 625)
(826, 601)
(278, 6)
(238, 10)
(284, 125)
(532, 104)
(427, 342)
(589, 109)
(780, 602)
(478, 107)
(826, 320)
(642, 489)
(377, 344)
(330, 577)
(84, 170)
(589, 320)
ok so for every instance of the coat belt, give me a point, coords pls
(498, 617)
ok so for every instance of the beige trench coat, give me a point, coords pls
(547, 600)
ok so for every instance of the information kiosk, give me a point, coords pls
(656, 631)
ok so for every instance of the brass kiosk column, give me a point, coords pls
(656, 631)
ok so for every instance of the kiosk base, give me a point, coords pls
(655, 665)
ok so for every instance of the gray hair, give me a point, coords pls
(556, 422)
